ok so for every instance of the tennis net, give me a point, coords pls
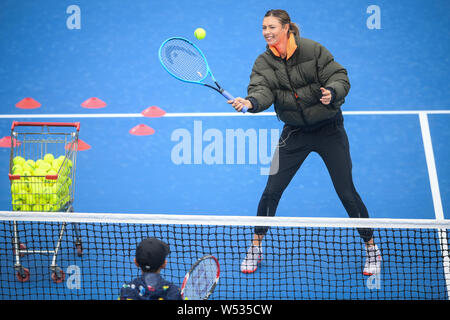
(304, 258)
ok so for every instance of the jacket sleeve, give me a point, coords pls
(259, 90)
(331, 74)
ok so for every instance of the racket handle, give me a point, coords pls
(227, 95)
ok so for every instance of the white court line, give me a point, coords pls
(431, 165)
(210, 114)
(72, 115)
(436, 194)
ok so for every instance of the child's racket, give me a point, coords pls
(201, 280)
(186, 62)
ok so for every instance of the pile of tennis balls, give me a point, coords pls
(33, 191)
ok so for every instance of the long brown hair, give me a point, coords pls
(284, 19)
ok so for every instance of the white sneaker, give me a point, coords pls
(373, 261)
(253, 257)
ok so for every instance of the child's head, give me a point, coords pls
(151, 255)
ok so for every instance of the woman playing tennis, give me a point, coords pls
(307, 87)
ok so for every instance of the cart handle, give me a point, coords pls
(50, 124)
(18, 177)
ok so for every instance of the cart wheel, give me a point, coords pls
(23, 275)
(21, 247)
(79, 248)
(58, 275)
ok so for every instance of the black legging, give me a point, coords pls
(331, 143)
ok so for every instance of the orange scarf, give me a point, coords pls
(290, 48)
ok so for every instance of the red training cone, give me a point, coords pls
(153, 112)
(28, 103)
(5, 142)
(93, 103)
(142, 130)
(82, 146)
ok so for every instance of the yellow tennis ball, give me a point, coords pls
(27, 207)
(17, 169)
(49, 158)
(17, 204)
(18, 160)
(15, 187)
(200, 33)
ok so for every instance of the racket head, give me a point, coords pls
(201, 280)
(184, 60)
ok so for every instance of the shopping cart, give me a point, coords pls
(42, 175)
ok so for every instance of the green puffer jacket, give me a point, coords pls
(293, 85)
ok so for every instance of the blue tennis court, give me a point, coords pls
(204, 159)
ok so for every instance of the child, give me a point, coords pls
(151, 256)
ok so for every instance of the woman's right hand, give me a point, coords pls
(239, 103)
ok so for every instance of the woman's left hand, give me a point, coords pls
(326, 96)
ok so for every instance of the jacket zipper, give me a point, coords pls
(297, 98)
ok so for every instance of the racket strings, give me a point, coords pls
(201, 279)
(183, 60)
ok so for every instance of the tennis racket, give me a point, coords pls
(186, 62)
(201, 280)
